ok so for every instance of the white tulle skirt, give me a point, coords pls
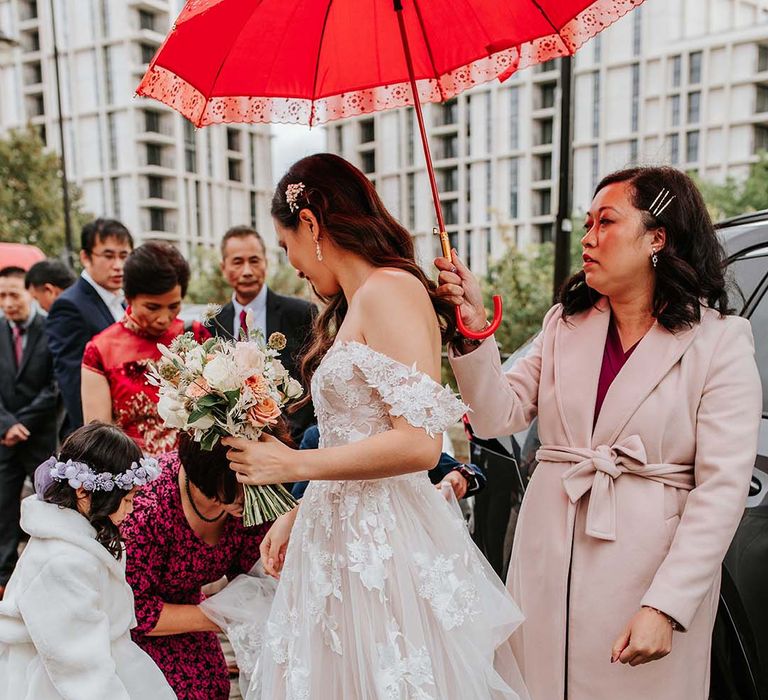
(384, 596)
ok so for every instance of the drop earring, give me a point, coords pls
(654, 258)
(318, 252)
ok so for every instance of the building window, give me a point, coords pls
(488, 186)
(514, 118)
(448, 113)
(761, 138)
(367, 131)
(694, 67)
(105, 17)
(543, 167)
(154, 154)
(633, 149)
(409, 136)
(449, 179)
(451, 214)
(488, 123)
(156, 219)
(595, 166)
(116, 206)
(233, 139)
(252, 157)
(410, 196)
(547, 92)
(635, 96)
(253, 209)
(112, 135)
(596, 103)
(234, 169)
(468, 191)
(546, 66)
(514, 188)
(545, 232)
(468, 248)
(543, 202)
(448, 146)
(761, 104)
(692, 146)
(674, 149)
(368, 161)
(762, 58)
(546, 131)
(694, 107)
(338, 132)
(152, 121)
(597, 43)
(155, 187)
(677, 70)
(190, 147)
(147, 52)
(674, 110)
(146, 20)
(109, 89)
(637, 25)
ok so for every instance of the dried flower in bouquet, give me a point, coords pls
(226, 387)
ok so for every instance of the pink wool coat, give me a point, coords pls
(638, 512)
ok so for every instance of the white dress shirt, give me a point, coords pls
(113, 301)
(259, 307)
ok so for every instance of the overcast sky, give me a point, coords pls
(291, 142)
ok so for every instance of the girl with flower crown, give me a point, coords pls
(67, 611)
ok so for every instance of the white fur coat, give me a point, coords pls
(66, 616)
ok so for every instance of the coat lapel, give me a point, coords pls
(655, 355)
(34, 332)
(97, 301)
(579, 346)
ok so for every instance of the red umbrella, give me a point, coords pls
(311, 61)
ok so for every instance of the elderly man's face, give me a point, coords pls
(14, 299)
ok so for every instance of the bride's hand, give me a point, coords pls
(457, 284)
(275, 543)
(266, 461)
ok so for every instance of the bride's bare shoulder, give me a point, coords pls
(399, 283)
(391, 296)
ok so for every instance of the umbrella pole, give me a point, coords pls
(445, 242)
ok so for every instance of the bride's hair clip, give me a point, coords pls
(662, 201)
(292, 194)
(79, 474)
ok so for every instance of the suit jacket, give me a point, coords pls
(75, 317)
(293, 318)
(28, 395)
(637, 508)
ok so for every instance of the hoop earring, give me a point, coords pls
(318, 252)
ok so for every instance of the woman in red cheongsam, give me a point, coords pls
(115, 363)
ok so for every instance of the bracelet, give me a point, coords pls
(675, 624)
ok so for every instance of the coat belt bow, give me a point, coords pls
(596, 469)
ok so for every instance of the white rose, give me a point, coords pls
(293, 389)
(249, 359)
(194, 360)
(221, 373)
(172, 411)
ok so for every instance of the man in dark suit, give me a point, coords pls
(91, 304)
(28, 400)
(244, 266)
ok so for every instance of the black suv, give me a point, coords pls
(740, 646)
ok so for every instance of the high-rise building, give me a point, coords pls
(683, 82)
(133, 158)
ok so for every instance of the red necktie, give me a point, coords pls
(243, 325)
(18, 344)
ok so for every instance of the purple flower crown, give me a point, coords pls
(79, 474)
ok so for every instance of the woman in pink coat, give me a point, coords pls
(649, 402)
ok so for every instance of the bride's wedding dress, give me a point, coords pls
(383, 595)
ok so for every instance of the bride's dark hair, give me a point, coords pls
(352, 215)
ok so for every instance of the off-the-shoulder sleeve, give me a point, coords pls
(408, 392)
(92, 358)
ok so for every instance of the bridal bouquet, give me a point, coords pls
(226, 387)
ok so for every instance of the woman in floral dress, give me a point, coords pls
(114, 385)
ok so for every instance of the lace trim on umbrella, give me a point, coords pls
(165, 86)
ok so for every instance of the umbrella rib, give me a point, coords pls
(429, 52)
(536, 4)
(317, 63)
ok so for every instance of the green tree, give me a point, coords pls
(734, 196)
(31, 200)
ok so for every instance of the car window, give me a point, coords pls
(748, 271)
(759, 320)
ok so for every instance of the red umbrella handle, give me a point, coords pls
(444, 240)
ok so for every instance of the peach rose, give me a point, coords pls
(258, 385)
(265, 412)
(197, 389)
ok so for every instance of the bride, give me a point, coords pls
(382, 593)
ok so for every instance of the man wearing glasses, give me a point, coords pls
(94, 302)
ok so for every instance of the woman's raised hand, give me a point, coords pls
(457, 284)
(266, 461)
(275, 543)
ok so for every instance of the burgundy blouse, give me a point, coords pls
(614, 358)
